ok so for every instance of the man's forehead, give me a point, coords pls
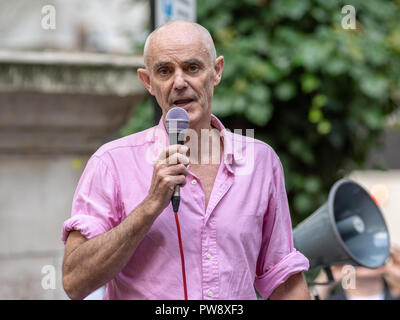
(179, 30)
(186, 49)
(179, 40)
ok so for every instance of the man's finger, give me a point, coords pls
(168, 151)
(179, 169)
(177, 158)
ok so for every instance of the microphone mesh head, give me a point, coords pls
(176, 119)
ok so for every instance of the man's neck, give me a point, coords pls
(205, 146)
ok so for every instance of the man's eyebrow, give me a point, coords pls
(167, 63)
(194, 61)
(161, 64)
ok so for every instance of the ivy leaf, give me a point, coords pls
(373, 118)
(293, 9)
(285, 90)
(314, 53)
(319, 100)
(312, 184)
(309, 82)
(222, 105)
(315, 115)
(258, 93)
(259, 114)
(303, 203)
(374, 86)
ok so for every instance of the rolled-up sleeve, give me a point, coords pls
(278, 259)
(95, 205)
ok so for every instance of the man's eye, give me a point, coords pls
(193, 68)
(163, 71)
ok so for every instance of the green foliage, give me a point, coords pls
(317, 93)
(142, 118)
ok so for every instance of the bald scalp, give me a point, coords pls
(189, 28)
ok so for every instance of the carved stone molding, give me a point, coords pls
(64, 102)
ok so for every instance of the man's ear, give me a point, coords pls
(145, 78)
(218, 67)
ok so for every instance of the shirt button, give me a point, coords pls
(210, 293)
(194, 181)
(208, 255)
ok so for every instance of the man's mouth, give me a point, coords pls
(182, 102)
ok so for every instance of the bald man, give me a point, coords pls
(234, 216)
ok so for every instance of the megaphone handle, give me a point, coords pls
(329, 274)
(331, 280)
(315, 293)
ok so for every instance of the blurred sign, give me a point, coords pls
(169, 10)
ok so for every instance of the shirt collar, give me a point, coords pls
(226, 137)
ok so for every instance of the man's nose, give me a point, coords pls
(180, 81)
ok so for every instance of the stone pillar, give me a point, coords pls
(56, 109)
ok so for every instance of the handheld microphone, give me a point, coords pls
(177, 121)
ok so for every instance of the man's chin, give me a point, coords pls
(195, 112)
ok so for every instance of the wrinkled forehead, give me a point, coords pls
(178, 44)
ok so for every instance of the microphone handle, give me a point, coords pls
(176, 196)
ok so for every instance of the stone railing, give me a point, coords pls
(64, 102)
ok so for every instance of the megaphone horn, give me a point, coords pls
(348, 229)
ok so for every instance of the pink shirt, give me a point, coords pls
(241, 240)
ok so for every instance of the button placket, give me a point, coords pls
(223, 188)
(194, 188)
(210, 261)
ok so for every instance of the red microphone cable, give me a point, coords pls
(182, 256)
(176, 122)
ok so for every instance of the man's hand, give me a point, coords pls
(392, 271)
(295, 288)
(169, 170)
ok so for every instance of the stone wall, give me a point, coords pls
(35, 196)
(56, 109)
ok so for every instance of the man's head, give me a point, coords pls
(182, 69)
